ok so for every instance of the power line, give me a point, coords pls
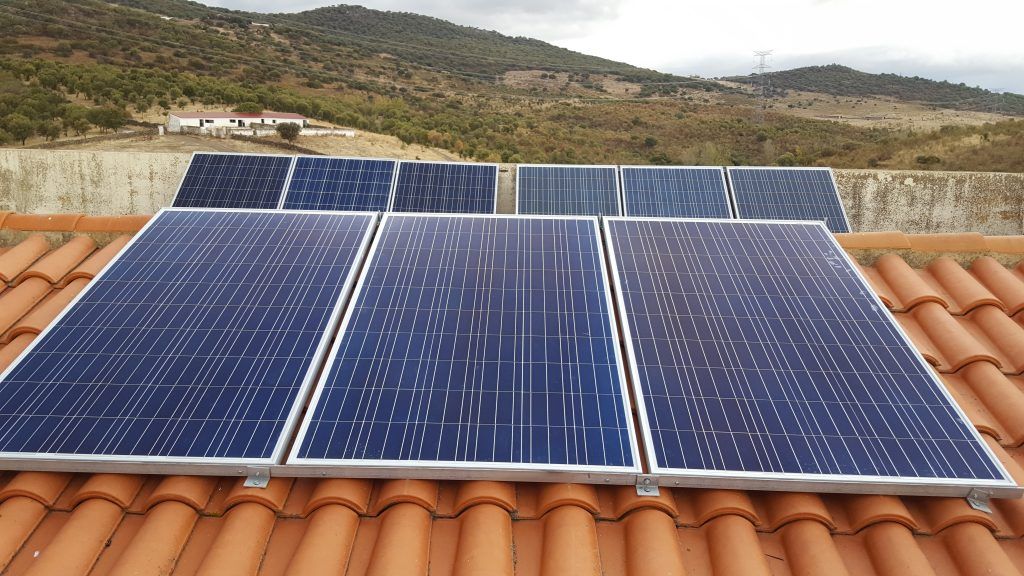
(762, 68)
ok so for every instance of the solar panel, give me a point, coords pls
(675, 191)
(247, 181)
(454, 187)
(195, 346)
(569, 190)
(762, 359)
(788, 194)
(484, 343)
(328, 183)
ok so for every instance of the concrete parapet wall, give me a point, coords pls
(921, 202)
(110, 183)
(88, 182)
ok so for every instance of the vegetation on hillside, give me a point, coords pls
(843, 81)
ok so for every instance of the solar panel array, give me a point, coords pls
(478, 342)
(446, 187)
(759, 352)
(675, 191)
(248, 181)
(196, 344)
(329, 183)
(788, 194)
(567, 190)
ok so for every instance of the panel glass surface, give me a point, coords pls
(680, 192)
(248, 181)
(325, 183)
(195, 343)
(446, 187)
(482, 342)
(759, 351)
(569, 190)
(788, 194)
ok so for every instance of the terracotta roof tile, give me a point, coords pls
(56, 264)
(111, 224)
(947, 243)
(124, 524)
(18, 258)
(41, 222)
(874, 241)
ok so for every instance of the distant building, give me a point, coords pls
(203, 122)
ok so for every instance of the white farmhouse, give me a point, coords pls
(203, 122)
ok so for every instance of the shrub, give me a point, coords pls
(289, 131)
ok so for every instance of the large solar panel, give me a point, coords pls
(246, 181)
(329, 183)
(196, 345)
(454, 187)
(675, 191)
(482, 343)
(762, 359)
(569, 190)
(788, 194)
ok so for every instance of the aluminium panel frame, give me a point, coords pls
(295, 165)
(613, 167)
(838, 483)
(721, 173)
(45, 461)
(831, 174)
(191, 160)
(454, 470)
(398, 170)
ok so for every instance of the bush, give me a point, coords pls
(107, 118)
(249, 108)
(18, 126)
(289, 131)
(928, 160)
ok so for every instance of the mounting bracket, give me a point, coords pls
(258, 477)
(979, 500)
(647, 486)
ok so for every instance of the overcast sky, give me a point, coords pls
(977, 42)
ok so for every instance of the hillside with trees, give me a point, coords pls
(87, 66)
(840, 80)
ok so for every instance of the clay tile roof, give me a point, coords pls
(961, 298)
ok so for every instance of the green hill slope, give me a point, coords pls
(844, 81)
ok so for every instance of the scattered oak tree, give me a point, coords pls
(289, 131)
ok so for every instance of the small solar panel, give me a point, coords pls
(788, 194)
(762, 359)
(246, 181)
(482, 343)
(196, 345)
(454, 187)
(568, 190)
(675, 191)
(329, 183)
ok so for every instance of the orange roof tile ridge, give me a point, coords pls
(787, 507)
(906, 283)
(967, 291)
(61, 261)
(1001, 282)
(873, 240)
(475, 492)
(942, 513)
(866, 510)
(43, 487)
(423, 493)
(272, 497)
(121, 489)
(21, 256)
(627, 502)
(193, 491)
(557, 495)
(42, 222)
(351, 493)
(952, 341)
(711, 504)
(947, 243)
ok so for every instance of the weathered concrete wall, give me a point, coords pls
(55, 181)
(923, 202)
(40, 181)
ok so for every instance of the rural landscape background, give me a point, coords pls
(430, 88)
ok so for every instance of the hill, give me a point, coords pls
(840, 80)
(78, 67)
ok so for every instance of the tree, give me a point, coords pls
(107, 118)
(289, 131)
(249, 108)
(49, 129)
(18, 126)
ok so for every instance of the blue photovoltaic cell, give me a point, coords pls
(788, 194)
(446, 187)
(480, 341)
(325, 183)
(569, 190)
(233, 181)
(195, 343)
(675, 192)
(757, 348)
